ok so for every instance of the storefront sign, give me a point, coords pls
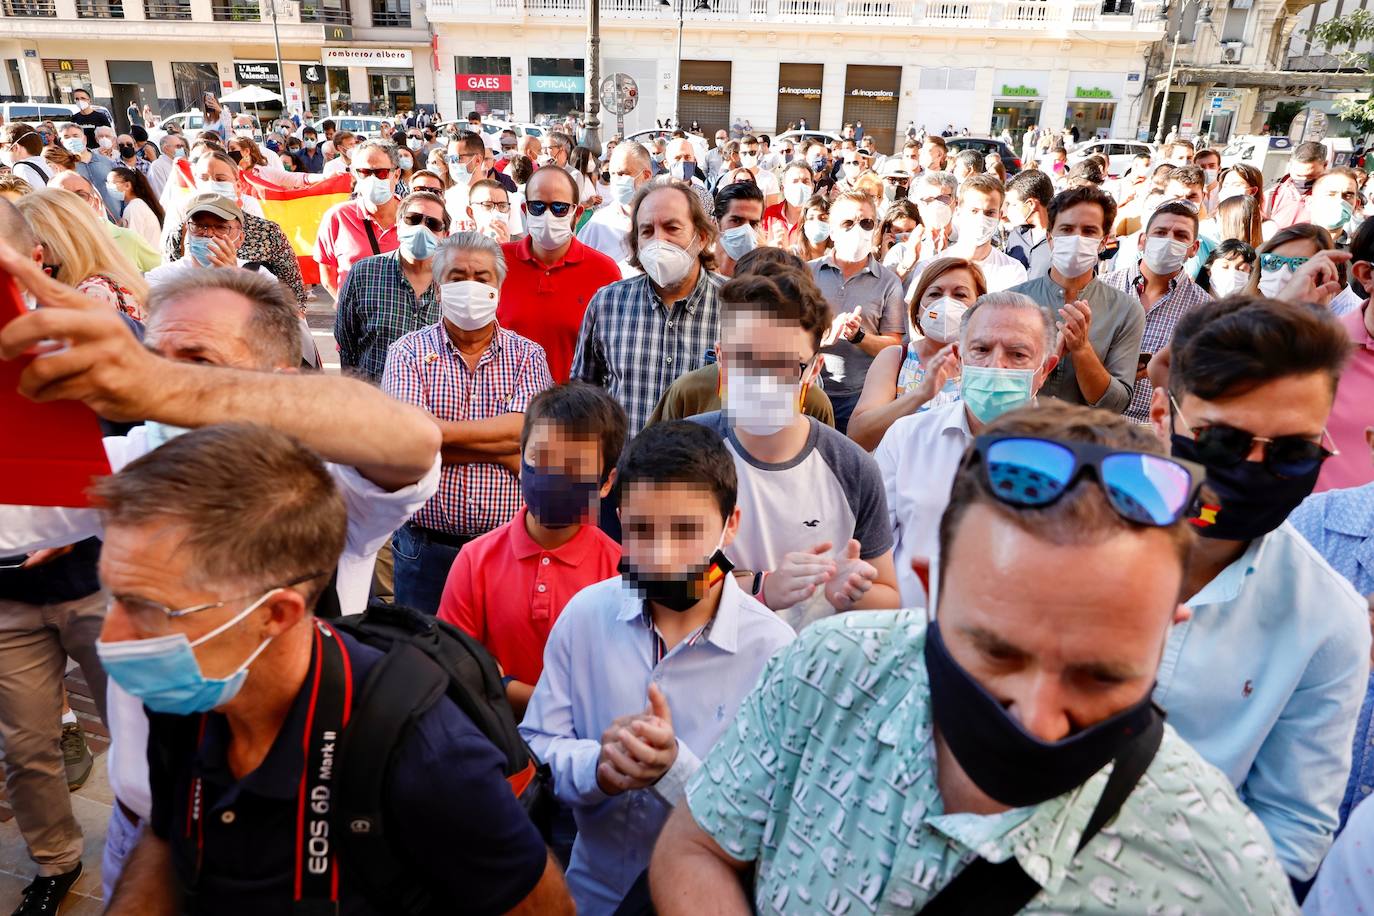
(484, 82)
(1084, 92)
(575, 84)
(312, 74)
(880, 95)
(804, 92)
(704, 89)
(366, 57)
(256, 73)
(1021, 91)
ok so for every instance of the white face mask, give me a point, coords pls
(1272, 281)
(1074, 255)
(549, 232)
(739, 241)
(1225, 282)
(974, 229)
(797, 194)
(222, 188)
(105, 142)
(941, 319)
(760, 404)
(468, 304)
(1165, 256)
(1210, 175)
(935, 213)
(852, 245)
(850, 170)
(666, 264)
(748, 160)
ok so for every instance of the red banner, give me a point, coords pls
(484, 82)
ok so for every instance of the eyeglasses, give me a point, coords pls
(942, 198)
(867, 224)
(1032, 473)
(1284, 456)
(538, 207)
(432, 223)
(373, 173)
(1277, 262)
(500, 207)
(153, 619)
(222, 231)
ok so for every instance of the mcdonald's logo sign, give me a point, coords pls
(64, 64)
(338, 33)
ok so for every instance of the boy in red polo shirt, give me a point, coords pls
(508, 586)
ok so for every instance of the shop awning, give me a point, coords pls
(1297, 81)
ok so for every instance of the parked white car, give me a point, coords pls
(803, 138)
(1120, 153)
(35, 112)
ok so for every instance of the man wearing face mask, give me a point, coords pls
(366, 224)
(739, 217)
(831, 552)
(467, 165)
(1334, 202)
(1099, 327)
(715, 158)
(609, 228)
(975, 223)
(677, 643)
(1162, 287)
(642, 333)
(1267, 678)
(750, 156)
(552, 276)
(934, 194)
(782, 222)
(889, 760)
(21, 149)
(88, 117)
(389, 295)
(1286, 203)
(865, 297)
(172, 147)
(475, 378)
(680, 162)
(1026, 209)
(95, 169)
(1006, 351)
(311, 156)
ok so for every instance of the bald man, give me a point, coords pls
(132, 245)
(609, 228)
(680, 159)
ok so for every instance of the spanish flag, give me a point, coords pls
(299, 211)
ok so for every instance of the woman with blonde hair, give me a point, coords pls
(77, 251)
(59, 159)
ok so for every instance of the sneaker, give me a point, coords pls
(76, 755)
(44, 894)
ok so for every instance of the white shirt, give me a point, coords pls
(608, 231)
(1000, 270)
(139, 217)
(33, 170)
(918, 458)
(335, 166)
(373, 514)
(767, 181)
(159, 172)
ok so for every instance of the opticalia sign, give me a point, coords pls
(557, 83)
(484, 82)
(365, 57)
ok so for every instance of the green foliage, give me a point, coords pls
(1339, 35)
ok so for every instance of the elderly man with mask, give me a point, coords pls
(93, 168)
(609, 227)
(172, 147)
(366, 225)
(680, 162)
(976, 221)
(934, 193)
(1006, 350)
(222, 347)
(957, 761)
(475, 378)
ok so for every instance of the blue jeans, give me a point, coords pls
(843, 405)
(421, 568)
(120, 838)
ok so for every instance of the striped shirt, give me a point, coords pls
(634, 345)
(377, 306)
(425, 368)
(1184, 295)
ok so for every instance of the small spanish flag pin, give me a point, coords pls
(1207, 516)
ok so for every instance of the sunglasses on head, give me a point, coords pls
(432, 223)
(1284, 456)
(538, 207)
(1276, 262)
(371, 173)
(1031, 473)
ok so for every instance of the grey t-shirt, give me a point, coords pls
(831, 491)
(877, 292)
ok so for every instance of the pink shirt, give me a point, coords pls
(343, 237)
(1350, 415)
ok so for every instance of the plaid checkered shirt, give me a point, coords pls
(377, 306)
(634, 345)
(424, 368)
(1184, 295)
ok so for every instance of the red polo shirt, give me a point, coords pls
(775, 221)
(1350, 414)
(506, 591)
(546, 303)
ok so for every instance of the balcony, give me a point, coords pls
(30, 9)
(100, 9)
(236, 11)
(168, 10)
(322, 12)
(393, 15)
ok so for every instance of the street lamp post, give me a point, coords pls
(276, 40)
(699, 7)
(591, 91)
(1204, 18)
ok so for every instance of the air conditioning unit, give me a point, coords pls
(1231, 51)
(397, 84)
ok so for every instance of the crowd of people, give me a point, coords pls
(821, 531)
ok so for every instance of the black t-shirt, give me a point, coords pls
(89, 120)
(451, 814)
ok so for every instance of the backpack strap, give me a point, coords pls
(995, 889)
(399, 689)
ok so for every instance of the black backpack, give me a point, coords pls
(425, 659)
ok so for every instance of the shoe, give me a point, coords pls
(76, 755)
(44, 895)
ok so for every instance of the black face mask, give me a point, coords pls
(678, 592)
(1253, 500)
(127, 150)
(1003, 760)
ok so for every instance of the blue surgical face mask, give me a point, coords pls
(459, 174)
(417, 242)
(406, 162)
(309, 144)
(163, 672)
(156, 433)
(222, 188)
(623, 189)
(990, 392)
(74, 145)
(198, 248)
(816, 231)
(557, 500)
(739, 241)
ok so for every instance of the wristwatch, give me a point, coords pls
(858, 336)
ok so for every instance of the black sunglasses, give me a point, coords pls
(1284, 456)
(1031, 473)
(432, 223)
(866, 224)
(559, 208)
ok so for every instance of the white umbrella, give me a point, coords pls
(251, 95)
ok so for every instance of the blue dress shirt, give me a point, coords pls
(598, 664)
(1266, 681)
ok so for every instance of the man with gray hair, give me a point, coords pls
(608, 230)
(221, 347)
(475, 378)
(1006, 350)
(364, 225)
(93, 168)
(173, 147)
(935, 194)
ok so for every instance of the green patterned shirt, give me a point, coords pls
(827, 780)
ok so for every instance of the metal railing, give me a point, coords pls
(383, 18)
(176, 10)
(100, 9)
(30, 9)
(316, 11)
(236, 11)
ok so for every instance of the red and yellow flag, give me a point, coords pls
(298, 211)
